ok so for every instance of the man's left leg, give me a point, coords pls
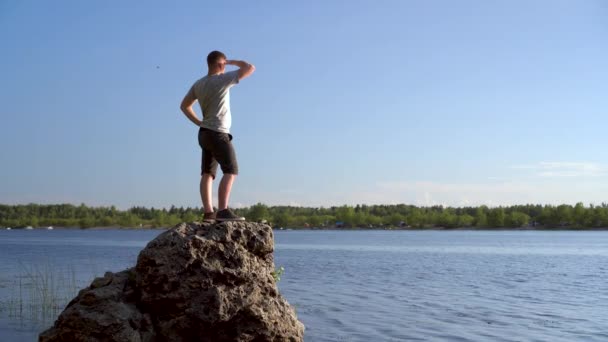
(223, 212)
(224, 189)
(208, 170)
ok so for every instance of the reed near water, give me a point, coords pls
(39, 293)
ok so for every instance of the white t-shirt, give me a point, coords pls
(213, 95)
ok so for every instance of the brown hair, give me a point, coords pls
(214, 56)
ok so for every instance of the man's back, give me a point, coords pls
(213, 95)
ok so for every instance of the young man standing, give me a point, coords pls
(213, 94)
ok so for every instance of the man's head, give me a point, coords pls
(216, 61)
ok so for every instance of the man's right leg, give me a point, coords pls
(208, 170)
(206, 191)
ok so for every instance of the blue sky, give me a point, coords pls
(417, 102)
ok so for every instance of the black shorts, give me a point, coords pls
(217, 148)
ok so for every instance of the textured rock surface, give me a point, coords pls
(195, 282)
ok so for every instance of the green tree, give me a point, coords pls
(465, 220)
(258, 212)
(564, 214)
(106, 221)
(86, 222)
(446, 219)
(517, 219)
(415, 218)
(548, 216)
(282, 220)
(32, 221)
(481, 217)
(315, 221)
(160, 218)
(395, 219)
(128, 220)
(579, 214)
(373, 220)
(602, 215)
(496, 217)
(345, 214)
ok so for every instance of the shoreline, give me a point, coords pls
(345, 229)
(449, 229)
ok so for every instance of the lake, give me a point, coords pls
(358, 285)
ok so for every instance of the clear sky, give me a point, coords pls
(416, 102)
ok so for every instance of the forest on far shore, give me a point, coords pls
(345, 217)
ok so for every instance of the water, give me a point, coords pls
(379, 285)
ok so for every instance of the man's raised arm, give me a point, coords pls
(245, 69)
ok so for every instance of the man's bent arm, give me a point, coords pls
(245, 69)
(186, 107)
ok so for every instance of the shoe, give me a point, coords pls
(209, 217)
(227, 215)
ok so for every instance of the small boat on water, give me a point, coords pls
(49, 228)
(29, 227)
(8, 228)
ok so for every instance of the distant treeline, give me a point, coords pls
(363, 216)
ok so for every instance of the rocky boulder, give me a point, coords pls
(194, 282)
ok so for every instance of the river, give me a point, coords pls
(357, 285)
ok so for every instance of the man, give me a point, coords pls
(213, 94)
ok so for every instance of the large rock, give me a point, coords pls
(195, 282)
